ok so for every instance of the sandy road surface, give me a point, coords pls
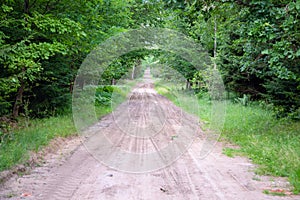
(136, 134)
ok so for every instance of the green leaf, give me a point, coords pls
(6, 8)
(298, 4)
(298, 53)
(266, 52)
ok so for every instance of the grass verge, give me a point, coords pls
(15, 149)
(273, 144)
(32, 135)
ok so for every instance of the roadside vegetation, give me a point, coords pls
(18, 140)
(270, 142)
(15, 146)
(254, 45)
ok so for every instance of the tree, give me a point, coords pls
(43, 44)
(255, 45)
(262, 57)
(21, 53)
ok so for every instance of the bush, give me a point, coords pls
(103, 95)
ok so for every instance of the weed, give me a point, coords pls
(274, 193)
(230, 152)
(11, 195)
(256, 178)
(244, 101)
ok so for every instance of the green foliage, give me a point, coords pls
(103, 95)
(43, 44)
(33, 138)
(148, 13)
(257, 45)
(261, 58)
(230, 152)
(244, 101)
(109, 97)
(271, 143)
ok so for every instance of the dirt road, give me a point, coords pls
(147, 149)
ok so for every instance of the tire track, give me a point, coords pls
(64, 184)
(145, 124)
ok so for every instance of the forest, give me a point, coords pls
(255, 45)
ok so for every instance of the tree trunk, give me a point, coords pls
(113, 81)
(133, 71)
(71, 87)
(18, 101)
(215, 43)
(19, 96)
(26, 6)
(188, 84)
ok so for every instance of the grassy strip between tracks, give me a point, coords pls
(31, 135)
(273, 144)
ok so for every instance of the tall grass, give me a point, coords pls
(39, 133)
(273, 144)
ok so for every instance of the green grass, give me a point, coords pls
(274, 193)
(23, 140)
(273, 144)
(37, 133)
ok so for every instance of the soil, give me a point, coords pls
(149, 149)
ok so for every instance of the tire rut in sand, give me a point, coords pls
(69, 177)
(146, 124)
